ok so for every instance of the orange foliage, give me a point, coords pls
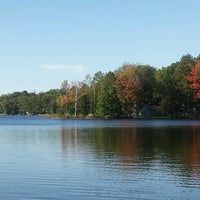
(128, 85)
(63, 100)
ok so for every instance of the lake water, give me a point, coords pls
(99, 159)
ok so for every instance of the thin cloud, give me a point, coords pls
(71, 68)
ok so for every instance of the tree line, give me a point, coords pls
(132, 90)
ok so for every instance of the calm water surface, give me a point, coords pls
(99, 159)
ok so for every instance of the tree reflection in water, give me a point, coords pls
(138, 145)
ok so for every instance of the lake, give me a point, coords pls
(55, 159)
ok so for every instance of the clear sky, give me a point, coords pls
(44, 42)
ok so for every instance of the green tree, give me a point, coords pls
(166, 93)
(184, 94)
(146, 76)
(24, 103)
(96, 86)
(48, 101)
(85, 100)
(9, 104)
(89, 94)
(108, 102)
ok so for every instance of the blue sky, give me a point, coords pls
(44, 42)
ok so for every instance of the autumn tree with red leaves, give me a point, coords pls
(194, 79)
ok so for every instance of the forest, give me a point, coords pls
(131, 91)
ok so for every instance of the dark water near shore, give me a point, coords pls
(99, 159)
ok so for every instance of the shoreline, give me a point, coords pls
(92, 117)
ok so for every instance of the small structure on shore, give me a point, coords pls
(147, 112)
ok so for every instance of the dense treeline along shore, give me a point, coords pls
(132, 90)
